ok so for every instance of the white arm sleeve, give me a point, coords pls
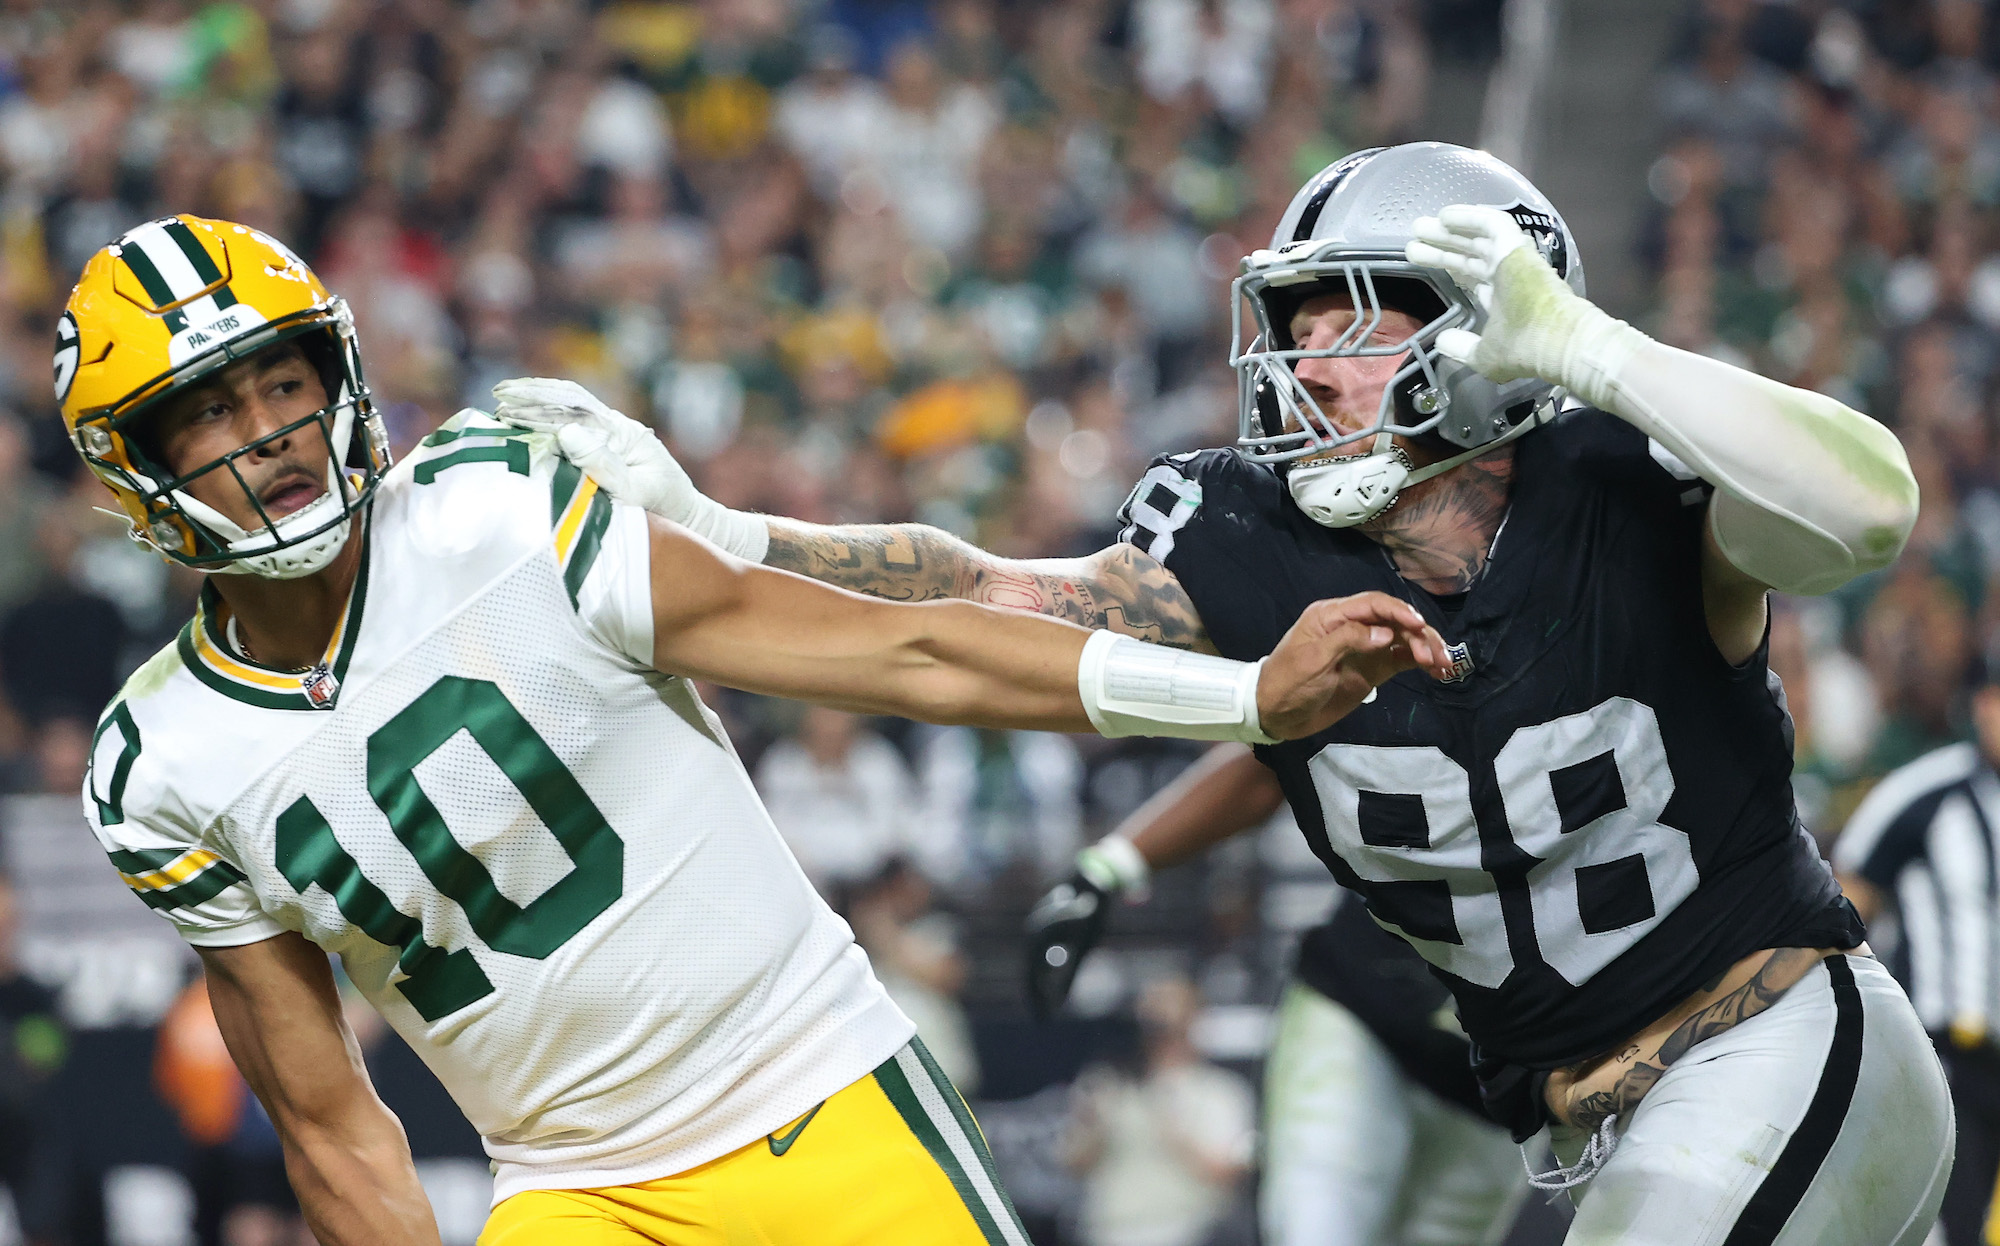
(1809, 492)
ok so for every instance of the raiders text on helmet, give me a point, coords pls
(162, 308)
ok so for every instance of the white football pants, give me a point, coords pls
(1357, 1154)
(1824, 1120)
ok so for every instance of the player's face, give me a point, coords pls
(249, 399)
(1348, 390)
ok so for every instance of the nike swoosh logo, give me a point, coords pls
(781, 1143)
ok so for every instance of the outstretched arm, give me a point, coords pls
(767, 630)
(1121, 589)
(1228, 791)
(1809, 493)
(1225, 793)
(345, 1152)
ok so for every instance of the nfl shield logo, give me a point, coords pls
(1461, 662)
(320, 687)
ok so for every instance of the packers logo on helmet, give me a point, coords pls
(159, 310)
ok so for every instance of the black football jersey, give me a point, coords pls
(1596, 816)
(1389, 989)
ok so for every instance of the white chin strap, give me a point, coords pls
(254, 549)
(255, 555)
(1345, 492)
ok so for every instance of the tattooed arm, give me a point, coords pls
(1583, 1095)
(1121, 588)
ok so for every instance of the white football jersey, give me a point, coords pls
(537, 856)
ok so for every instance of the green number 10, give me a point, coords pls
(442, 982)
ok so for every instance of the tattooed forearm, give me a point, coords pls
(1634, 1069)
(902, 562)
(1119, 588)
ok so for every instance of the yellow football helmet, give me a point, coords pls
(166, 304)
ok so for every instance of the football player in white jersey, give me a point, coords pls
(1588, 829)
(438, 720)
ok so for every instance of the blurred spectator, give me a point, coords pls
(914, 950)
(33, 1047)
(995, 801)
(1162, 1154)
(62, 647)
(842, 797)
(1723, 94)
(1219, 47)
(24, 498)
(1835, 715)
(235, 1163)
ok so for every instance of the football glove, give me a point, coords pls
(1062, 928)
(626, 460)
(1535, 324)
(1067, 922)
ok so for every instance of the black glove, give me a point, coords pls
(1062, 928)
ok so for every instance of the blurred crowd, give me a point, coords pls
(1824, 211)
(959, 261)
(967, 262)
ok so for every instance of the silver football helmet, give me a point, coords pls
(1344, 233)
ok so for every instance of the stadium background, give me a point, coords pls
(964, 262)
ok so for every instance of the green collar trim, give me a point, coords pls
(205, 652)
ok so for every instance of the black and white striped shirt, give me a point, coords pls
(1925, 837)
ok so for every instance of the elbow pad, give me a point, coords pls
(1130, 687)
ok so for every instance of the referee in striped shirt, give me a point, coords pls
(1920, 859)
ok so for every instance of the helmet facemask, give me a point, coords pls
(1358, 474)
(1347, 231)
(198, 535)
(1281, 420)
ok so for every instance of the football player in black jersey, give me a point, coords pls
(1373, 1131)
(1590, 833)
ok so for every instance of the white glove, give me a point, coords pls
(1535, 324)
(626, 460)
(1810, 492)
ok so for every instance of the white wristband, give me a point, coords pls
(1130, 687)
(1114, 864)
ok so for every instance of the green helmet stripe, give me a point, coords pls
(156, 287)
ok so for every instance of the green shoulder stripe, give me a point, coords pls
(562, 489)
(588, 541)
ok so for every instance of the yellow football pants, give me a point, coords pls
(893, 1160)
